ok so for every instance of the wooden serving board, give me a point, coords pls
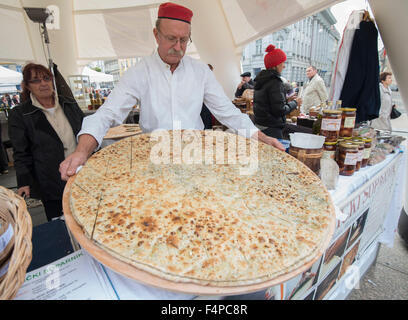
(123, 131)
(144, 277)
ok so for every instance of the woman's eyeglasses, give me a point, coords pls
(37, 81)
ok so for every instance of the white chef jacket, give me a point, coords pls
(167, 100)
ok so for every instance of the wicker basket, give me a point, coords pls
(13, 210)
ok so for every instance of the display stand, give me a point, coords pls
(356, 241)
(80, 87)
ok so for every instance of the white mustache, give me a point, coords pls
(173, 51)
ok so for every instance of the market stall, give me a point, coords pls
(362, 212)
(365, 216)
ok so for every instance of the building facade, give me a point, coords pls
(116, 68)
(112, 67)
(311, 41)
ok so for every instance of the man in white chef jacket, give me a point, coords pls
(171, 89)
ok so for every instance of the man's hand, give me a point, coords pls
(268, 140)
(241, 84)
(299, 101)
(24, 190)
(69, 166)
(292, 97)
(86, 144)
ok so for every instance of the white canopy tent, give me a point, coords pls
(86, 31)
(10, 77)
(95, 76)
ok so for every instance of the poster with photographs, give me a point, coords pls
(357, 228)
(334, 253)
(298, 287)
(325, 286)
(348, 259)
(310, 296)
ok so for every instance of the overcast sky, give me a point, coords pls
(343, 10)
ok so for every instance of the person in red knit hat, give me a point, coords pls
(270, 103)
(171, 88)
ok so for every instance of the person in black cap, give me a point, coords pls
(246, 83)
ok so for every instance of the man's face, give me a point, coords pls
(172, 39)
(310, 72)
(246, 79)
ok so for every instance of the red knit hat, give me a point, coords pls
(174, 11)
(274, 57)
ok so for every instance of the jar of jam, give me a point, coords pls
(347, 158)
(340, 140)
(360, 143)
(348, 120)
(331, 123)
(329, 150)
(367, 151)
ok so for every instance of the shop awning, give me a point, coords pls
(112, 29)
(95, 76)
(9, 77)
(7, 89)
(123, 28)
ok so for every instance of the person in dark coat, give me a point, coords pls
(42, 132)
(270, 103)
(3, 157)
(246, 83)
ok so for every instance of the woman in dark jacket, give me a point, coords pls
(270, 104)
(42, 131)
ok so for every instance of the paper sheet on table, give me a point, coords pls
(74, 277)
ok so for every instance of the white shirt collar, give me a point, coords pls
(164, 64)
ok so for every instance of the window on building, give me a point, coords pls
(258, 46)
(279, 42)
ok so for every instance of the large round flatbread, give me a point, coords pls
(206, 207)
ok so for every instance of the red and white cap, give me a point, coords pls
(174, 11)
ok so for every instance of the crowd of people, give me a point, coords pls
(275, 97)
(51, 137)
(7, 101)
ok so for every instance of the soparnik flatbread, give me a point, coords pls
(194, 219)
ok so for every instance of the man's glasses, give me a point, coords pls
(37, 81)
(173, 40)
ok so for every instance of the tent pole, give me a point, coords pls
(50, 62)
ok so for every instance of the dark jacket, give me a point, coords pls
(360, 88)
(37, 149)
(249, 85)
(270, 106)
